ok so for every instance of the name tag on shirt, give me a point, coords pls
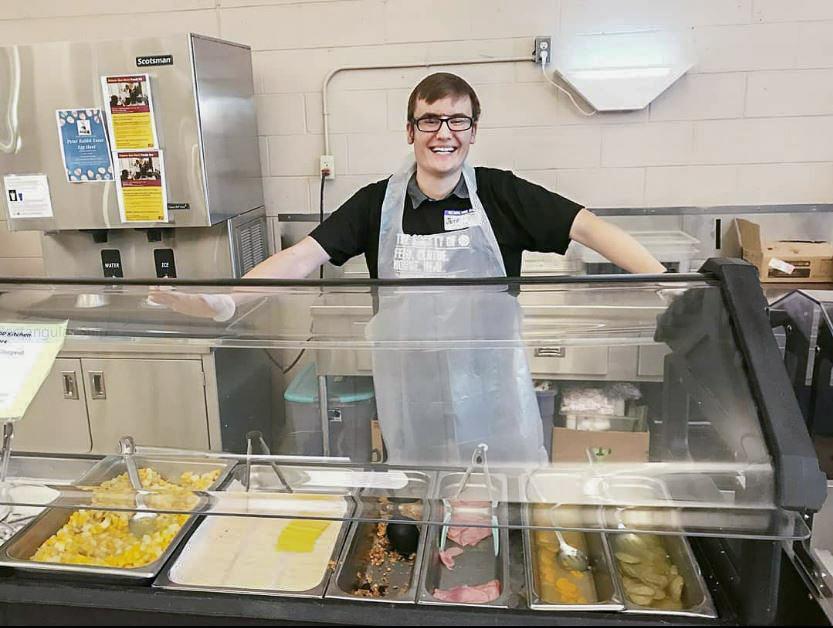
(454, 219)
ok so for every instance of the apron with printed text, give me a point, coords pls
(449, 367)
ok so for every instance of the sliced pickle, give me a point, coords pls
(628, 558)
(676, 588)
(649, 576)
(641, 600)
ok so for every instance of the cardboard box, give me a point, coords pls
(572, 445)
(784, 261)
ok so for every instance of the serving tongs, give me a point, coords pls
(251, 437)
(478, 459)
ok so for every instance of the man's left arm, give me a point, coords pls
(613, 243)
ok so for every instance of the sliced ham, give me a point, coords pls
(470, 517)
(478, 594)
(464, 536)
(447, 557)
(467, 505)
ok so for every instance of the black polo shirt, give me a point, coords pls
(524, 217)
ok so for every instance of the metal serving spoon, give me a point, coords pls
(141, 522)
(571, 558)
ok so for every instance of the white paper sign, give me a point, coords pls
(27, 353)
(779, 264)
(454, 219)
(27, 196)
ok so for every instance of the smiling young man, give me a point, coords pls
(443, 111)
(437, 216)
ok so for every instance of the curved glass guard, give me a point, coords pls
(604, 405)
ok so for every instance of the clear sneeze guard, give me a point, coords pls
(655, 412)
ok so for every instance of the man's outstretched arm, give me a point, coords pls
(296, 262)
(613, 243)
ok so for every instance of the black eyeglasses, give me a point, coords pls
(432, 124)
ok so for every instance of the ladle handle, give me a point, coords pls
(128, 448)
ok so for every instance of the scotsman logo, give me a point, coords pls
(156, 60)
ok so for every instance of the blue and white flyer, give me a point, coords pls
(84, 145)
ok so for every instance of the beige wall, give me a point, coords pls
(751, 123)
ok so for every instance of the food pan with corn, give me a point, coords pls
(99, 542)
(550, 585)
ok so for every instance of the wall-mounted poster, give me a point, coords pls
(84, 146)
(140, 181)
(129, 105)
(27, 196)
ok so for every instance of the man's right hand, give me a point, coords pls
(220, 307)
(296, 262)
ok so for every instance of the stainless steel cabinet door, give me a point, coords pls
(652, 360)
(56, 421)
(158, 402)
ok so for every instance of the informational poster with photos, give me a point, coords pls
(129, 105)
(140, 181)
(84, 146)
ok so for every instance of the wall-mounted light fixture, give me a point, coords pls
(621, 71)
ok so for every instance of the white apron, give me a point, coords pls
(436, 404)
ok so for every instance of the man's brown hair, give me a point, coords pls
(440, 85)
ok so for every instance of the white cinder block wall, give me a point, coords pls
(752, 122)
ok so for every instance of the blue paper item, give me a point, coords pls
(84, 145)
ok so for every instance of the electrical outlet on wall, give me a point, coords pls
(543, 45)
(328, 166)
